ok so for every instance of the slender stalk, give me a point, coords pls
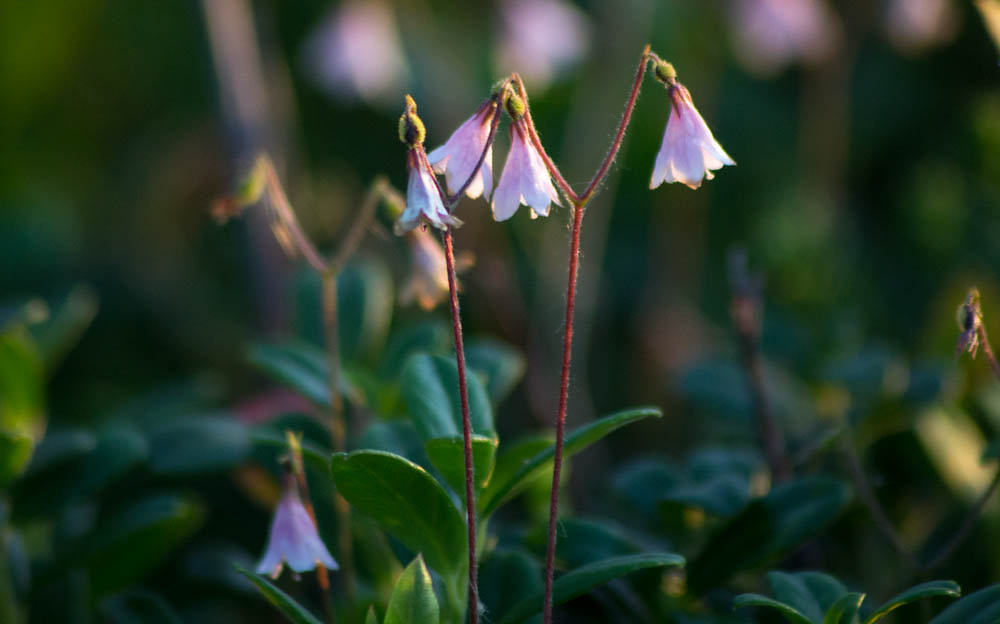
(537, 142)
(602, 170)
(574, 264)
(338, 429)
(284, 218)
(470, 502)
(377, 191)
(967, 525)
(579, 203)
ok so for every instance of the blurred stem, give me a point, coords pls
(867, 496)
(8, 601)
(967, 525)
(470, 501)
(337, 428)
(745, 310)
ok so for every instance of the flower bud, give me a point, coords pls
(411, 128)
(514, 105)
(665, 72)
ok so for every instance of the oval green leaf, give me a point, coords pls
(981, 607)
(501, 490)
(500, 364)
(286, 604)
(844, 609)
(448, 456)
(430, 391)
(580, 580)
(406, 502)
(756, 600)
(917, 592)
(196, 444)
(413, 600)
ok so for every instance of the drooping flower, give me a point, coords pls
(772, 34)
(524, 179)
(293, 539)
(915, 25)
(460, 154)
(356, 53)
(541, 39)
(423, 200)
(689, 152)
(427, 284)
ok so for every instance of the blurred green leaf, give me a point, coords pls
(586, 540)
(278, 443)
(432, 337)
(844, 610)
(189, 445)
(136, 539)
(286, 604)
(448, 456)
(395, 436)
(811, 593)
(305, 369)
(501, 365)
(756, 600)
(430, 390)
(581, 580)
(917, 592)
(413, 600)
(119, 449)
(981, 607)
(406, 501)
(767, 528)
(507, 576)
(642, 482)
(22, 402)
(365, 305)
(138, 607)
(60, 332)
(500, 490)
(371, 618)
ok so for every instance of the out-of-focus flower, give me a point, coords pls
(689, 152)
(356, 53)
(293, 539)
(915, 25)
(772, 34)
(460, 154)
(423, 201)
(524, 179)
(427, 284)
(540, 39)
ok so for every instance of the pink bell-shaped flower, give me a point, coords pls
(689, 152)
(293, 539)
(423, 198)
(457, 158)
(524, 179)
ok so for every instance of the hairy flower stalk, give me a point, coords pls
(434, 206)
(579, 202)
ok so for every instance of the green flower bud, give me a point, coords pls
(514, 105)
(665, 72)
(411, 128)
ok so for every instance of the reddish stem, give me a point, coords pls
(533, 134)
(574, 256)
(470, 502)
(626, 116)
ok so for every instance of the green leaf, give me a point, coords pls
(767, 528)
(642, 482)
(844, 609)
(189, 445)
(501, 490)
(364, 308)
(371, 618)
(448, 456)
(500, 364)
(413, 600)
(406, 502)
(304, 368)
(432, 337)
(286, 604)
(583, 541)
(60, 332)
(505, 577)
(981, 607)
(22, 402)
(581, 580)
(809, 592)
(133, 541)
(430, 390)
(917, 592)
(756, 600)
(311, 454)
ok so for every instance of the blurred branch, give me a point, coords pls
(745, 309)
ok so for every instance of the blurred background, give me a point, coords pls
(867, 196)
